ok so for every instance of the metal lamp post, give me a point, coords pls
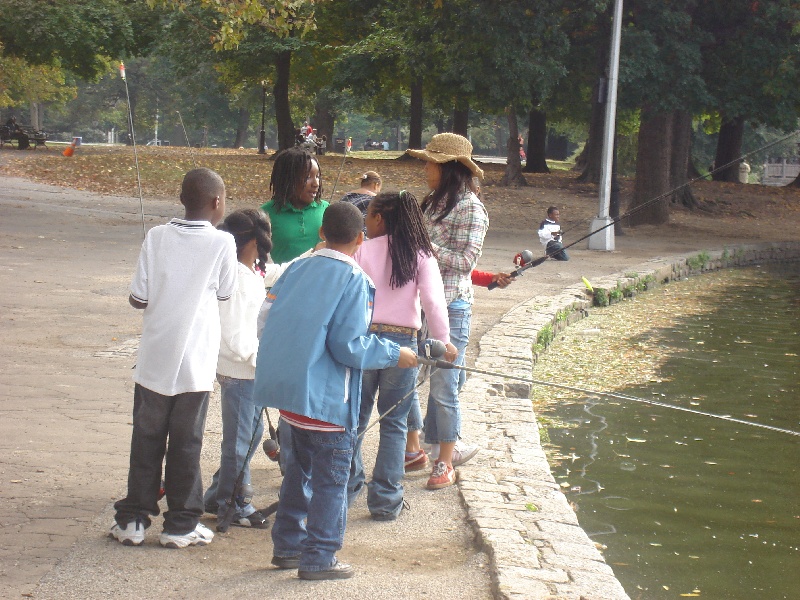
(604, 238)
(262, 135)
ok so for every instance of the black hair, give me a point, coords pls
(199, 187)
(341, 223)
(247, 224)
(550, 210)
(289, 174)
(456, 178)
(407, 233)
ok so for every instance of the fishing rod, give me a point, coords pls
(437, 348)
(339, 174)
(133, 140)
(186, 135)
(519, 270)
(239, 487)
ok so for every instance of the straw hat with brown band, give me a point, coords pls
(445, 147)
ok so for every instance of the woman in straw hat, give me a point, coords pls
(457, 222)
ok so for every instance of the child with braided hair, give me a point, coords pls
(399, 258)
(236, 365)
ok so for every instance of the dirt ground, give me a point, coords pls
(66, 258)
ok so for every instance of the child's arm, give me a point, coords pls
(273, 271)
(240, 339)
(431, 295)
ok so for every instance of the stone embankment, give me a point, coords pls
(521, 518)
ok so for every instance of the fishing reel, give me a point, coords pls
(523, 258)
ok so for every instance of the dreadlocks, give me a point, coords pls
(407, 233)
(289, 175)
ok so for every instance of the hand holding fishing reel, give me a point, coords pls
(524, 261)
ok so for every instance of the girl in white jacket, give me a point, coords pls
(237, 363)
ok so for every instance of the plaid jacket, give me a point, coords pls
(458, 240)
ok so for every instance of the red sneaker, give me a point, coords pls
(443, 476)
(416, 461)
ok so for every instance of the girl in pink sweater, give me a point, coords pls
(398, 257)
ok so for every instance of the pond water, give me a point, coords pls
(686, 505)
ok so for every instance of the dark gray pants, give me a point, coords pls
(156, 418)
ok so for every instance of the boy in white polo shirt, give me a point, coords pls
(184, 268)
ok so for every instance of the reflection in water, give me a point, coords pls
(690, 506)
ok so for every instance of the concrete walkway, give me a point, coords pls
(66, 348)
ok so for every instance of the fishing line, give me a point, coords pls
(403, 399)
(339, 174)
(658, 198)
(446, 365)
(186, 135)
(133, 139)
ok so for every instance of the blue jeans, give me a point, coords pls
(240, 418)
(385, 490)
(443, 418)
(312, 512)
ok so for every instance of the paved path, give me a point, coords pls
(66, 259)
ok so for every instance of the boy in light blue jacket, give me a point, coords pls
(314, 346)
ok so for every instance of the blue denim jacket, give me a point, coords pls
(316, 340)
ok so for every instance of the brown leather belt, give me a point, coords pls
(381, 328)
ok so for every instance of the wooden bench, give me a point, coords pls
(24, 135)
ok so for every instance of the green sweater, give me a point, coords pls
(294, 230)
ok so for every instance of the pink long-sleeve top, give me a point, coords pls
(401, 306)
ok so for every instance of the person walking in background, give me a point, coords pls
(550, 235)
(398, 257)
(185, 268)
(457, 223)
(315, 344)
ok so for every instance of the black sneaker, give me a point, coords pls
(338, 570)
(256, 521)
(286, 562)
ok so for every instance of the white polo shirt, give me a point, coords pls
(184, 268)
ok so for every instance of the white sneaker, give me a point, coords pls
(201, 536)
(463, 452)
(131, 535)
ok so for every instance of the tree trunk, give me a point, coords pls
(537, 142)
(653, 161)
(513, 175)
(415, 126)
(499, 141)
(280, 93)
(795, 183)
(592, 156)
(679, 165)
(241, 128)
(729, 148)
(461, 117)
(324, 119)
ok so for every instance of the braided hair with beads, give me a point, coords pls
(408, 236)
